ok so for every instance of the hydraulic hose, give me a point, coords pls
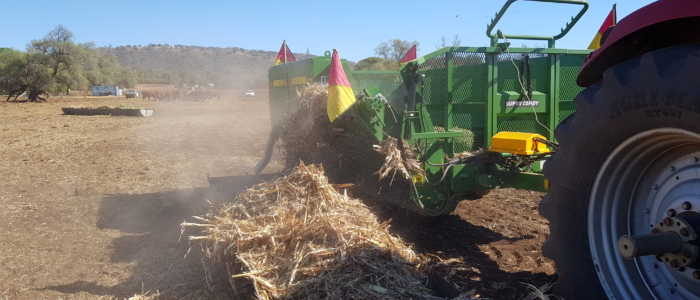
(275, 134)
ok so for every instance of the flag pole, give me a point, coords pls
(615, 13)
(285, 51)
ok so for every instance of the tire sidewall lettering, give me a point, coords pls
(653, 103)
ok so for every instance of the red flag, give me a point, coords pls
(410, 55)
(340, 95)
(611, 20)
(285, 55)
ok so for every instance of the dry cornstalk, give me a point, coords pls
(341, 249)
(394, 161)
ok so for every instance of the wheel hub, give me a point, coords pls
(674, 241)
(643, 211)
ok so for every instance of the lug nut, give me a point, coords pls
(655, 230)
(696, 274)
(686, 205)
(687, 253)
(671, 213)
(684, 231)
(674, 263)
(668, 221)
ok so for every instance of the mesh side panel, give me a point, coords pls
(473, 123)
(524, 123)
(508, 73)
(569, 66)
(435, 85)
(387, 82)
(437, 117)
(469, 78)
(565, 113)
(390, 84)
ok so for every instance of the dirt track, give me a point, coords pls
(90, 207)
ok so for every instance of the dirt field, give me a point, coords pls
(90, 207)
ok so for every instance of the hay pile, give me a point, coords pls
(394, 162)
(298, 238)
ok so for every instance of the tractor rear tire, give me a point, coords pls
(628, 156)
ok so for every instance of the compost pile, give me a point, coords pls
(299, 238)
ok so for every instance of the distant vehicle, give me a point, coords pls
(250, 93)
(106, 91)
(132, 94)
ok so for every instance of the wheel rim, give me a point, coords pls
(638, 183)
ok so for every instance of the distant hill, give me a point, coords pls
(188, 65)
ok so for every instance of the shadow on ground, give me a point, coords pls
(151, 241)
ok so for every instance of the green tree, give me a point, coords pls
(377, 63)
(48, 64)
(12, 64)
(394, 49)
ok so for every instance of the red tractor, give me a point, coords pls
(624, 203)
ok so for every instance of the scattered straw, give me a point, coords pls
(146, 296)
(394, 162)
(298, 238)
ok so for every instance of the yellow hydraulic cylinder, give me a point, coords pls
(521, 143)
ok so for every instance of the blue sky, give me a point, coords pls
(355, 28)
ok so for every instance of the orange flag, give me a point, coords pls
(340, 95)
(284, 56)
(410, 55)
(611, 20)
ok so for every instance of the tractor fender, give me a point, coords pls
(661, 24)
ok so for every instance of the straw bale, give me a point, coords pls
(299, 238)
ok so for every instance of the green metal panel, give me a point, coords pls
(286, 79)
(279, 93)
(468, 94)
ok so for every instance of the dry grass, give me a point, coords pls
(299, 238)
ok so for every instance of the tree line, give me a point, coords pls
(56, 63)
